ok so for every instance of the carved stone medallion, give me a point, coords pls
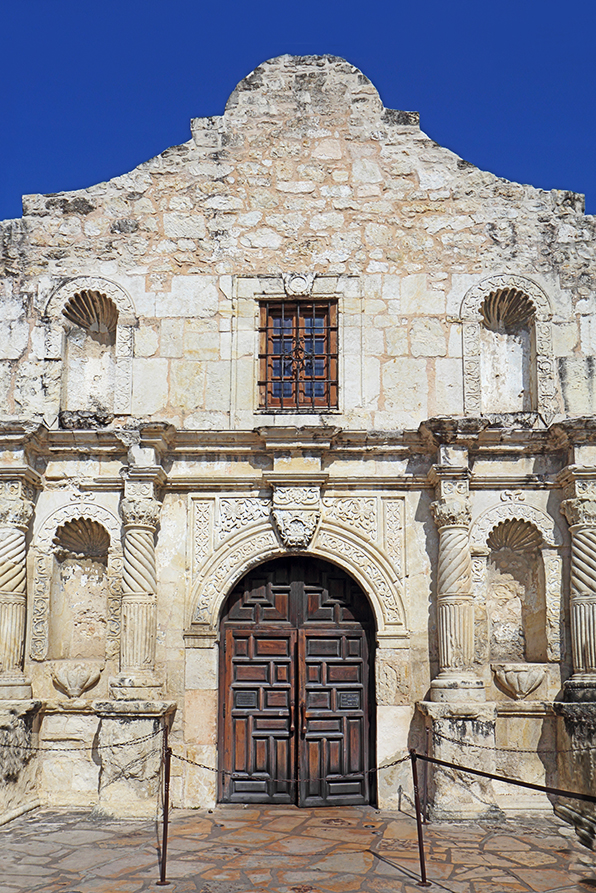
(296, 511)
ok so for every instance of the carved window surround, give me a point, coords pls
(472, 321)
(124, 332)
(247, 294)
(42, 575)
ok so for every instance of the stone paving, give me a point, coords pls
(235, 849)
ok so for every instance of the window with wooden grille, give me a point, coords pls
(298, 355)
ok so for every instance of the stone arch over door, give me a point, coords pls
(42, 574)
(127, 320)
(358, 557)
(546, 389)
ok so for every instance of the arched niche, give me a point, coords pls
(91, 322)
(507, 348)
(358, 557)
(51, 548)
(517, 574)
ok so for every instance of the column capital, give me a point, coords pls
(140, 512)
(579, 512)
(451, 513)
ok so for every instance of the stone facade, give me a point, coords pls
(452, 475)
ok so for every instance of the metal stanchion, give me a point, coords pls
(425, 787)
(423, 881)
(167, 759)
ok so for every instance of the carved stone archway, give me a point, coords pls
(43, 555)
(552, 538)
(471, 322)
(124, 332)
(360, 558)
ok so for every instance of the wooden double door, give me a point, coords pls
(295, 715)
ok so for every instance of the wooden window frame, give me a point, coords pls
(298, 355)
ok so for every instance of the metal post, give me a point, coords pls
(167, 759)
(423, 881)
(425, 788)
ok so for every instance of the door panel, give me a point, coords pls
(295, 721)
(333, 750)
(259, 743)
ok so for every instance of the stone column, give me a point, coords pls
(139, 600)
(16, 511)
(455, 604)
(581, 517)
(456, 680)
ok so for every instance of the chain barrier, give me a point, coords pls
(224, 772)
(89, 747)
(517, 750)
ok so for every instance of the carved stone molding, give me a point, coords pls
(43, 551)
(451, 513)
(296, 511)
(255, 545)
(359, 512)
(471, 319)
(395, 533)
(510, 511)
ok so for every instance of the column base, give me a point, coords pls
(581, 687)
(14, 687)
(457, 687)
(138, 685)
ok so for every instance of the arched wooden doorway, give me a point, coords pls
(296, 699)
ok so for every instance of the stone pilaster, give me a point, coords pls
(140, 512)
(455, 601)
(16, 510)
(581, 517)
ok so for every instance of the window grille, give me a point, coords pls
(298, 355)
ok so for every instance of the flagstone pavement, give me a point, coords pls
(246, 849)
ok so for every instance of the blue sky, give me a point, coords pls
(91, 89)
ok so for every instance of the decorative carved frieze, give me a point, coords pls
(296, 511)
(235, 513)
(202, 526)
(359, 512)
(395, 533)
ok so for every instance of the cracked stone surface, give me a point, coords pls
(245, 849)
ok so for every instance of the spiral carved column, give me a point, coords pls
(455, 604)
(139, 585)
(581, 516)
(15, 515)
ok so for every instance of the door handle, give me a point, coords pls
(292, 719)
(303, 718)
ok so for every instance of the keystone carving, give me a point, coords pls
(296, 511)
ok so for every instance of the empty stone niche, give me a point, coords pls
(516, 607)
(508, 352)
(78, 600)
(89, 379)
